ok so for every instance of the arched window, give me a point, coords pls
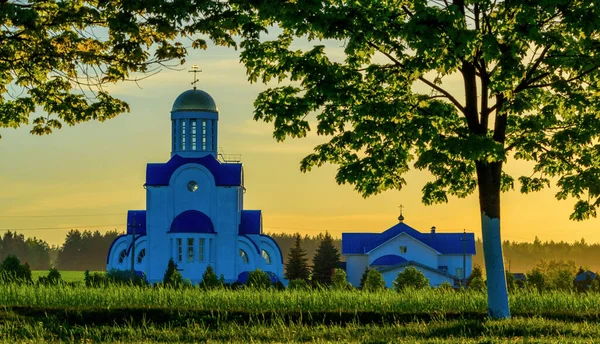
(244, 256)
(122, 256)
(141, 256)
(266, 256)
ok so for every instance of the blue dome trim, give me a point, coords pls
(390, 259)
(192, 221)
(111, 247)
(136, 239)
(224, 174)
(274, 243)
(252, 241)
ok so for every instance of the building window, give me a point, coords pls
(403, 249)
(266, 256)
(244, 256)
(190, 250)
(204, 135)
(179, 250)
(141, 256)
(201, 250)
(459, 273)
(122, 256)
(443, 268)
(182, 134)
(193, 124)
(173, 136)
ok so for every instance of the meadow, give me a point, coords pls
(67, 276)
(145, 314)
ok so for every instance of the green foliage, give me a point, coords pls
(558, 274)
(298, 284)
(536, 279)
(53, 278)
(511, 284)
(477, 284)
(56, 56)
(325, 261)
(446, 287)
(11, 270)
(374, 281)
(475, 273)
(410, 278)
(339, 281)
(297, 263)
(172, 277)
(595, 285)
(258, 279)
(363, 278)
(210, 279)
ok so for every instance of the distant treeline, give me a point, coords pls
(87, 250)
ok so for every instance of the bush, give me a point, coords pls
(128, 277)
(339, 281)
(410, 278)
(298, 284)
(536, 279)
(172, 277)
(95, 279)
(445, 286)
(12, 271)
(510, 282)
(258, 279)
(374, 281)
(210, 279)
(595, 285)
(363, 278)
(53, 278)
(477, 284)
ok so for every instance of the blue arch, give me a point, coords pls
(192, 221)
(390, 259)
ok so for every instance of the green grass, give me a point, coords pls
(131, 314)
(67, 276)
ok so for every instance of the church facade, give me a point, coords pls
(441, 257)
(195, 208)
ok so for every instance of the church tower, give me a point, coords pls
(194, 119)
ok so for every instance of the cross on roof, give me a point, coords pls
(401, 217)
(195, 69)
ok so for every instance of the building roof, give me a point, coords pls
(192, 221)
(582, 277)
(140, 221)
(445, 243)
(224, 174)
(389, 259)
(250, 222)
(194, 100)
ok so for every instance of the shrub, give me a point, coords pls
(95, 279)
(445, 286)
(410, 278)
(258, 279)
(122, 277)
(510, 282)
(363, 278)
(339, 281)
(172, 277)
(374, 281)
(298, 284)
(11, 270)
(210, 279)
(595, 285)
(53, 278)
(477, 284)
(536, 279)
(477, 272)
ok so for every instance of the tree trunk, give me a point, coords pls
(488, 179)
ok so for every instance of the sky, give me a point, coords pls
(88, 176)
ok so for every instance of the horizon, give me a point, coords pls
(98, 168)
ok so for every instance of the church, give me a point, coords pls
(195, 208)
(441, 257)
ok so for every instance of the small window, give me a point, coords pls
(201, 250)
(193, 132)
(204, 135)
(179, 249)
(183, 135)
(459, 273)
(244, 256)
(122, 256)
(403, 249)
(141, 256)
(190, 250)
(266, 256)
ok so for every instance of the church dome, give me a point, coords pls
(194, 100)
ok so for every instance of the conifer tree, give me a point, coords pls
(297, 263)
(325, 260)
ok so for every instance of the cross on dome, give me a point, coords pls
(195, 69)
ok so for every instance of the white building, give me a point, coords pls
(441, 257)
(195, 208)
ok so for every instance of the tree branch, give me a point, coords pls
(587, 71)
(445, 93)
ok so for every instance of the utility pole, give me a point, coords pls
(133, 226)
(464, 274)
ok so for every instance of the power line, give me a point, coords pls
(73, 215)
(68, 227)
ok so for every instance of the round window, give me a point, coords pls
(192, 186)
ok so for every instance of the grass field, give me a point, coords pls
(67, 276)
(131, 314)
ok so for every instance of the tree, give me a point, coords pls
(410, 278)
(172, 277)
(536, 279)
(210, 279)
(258, 279)
(297, 263)
(339, 280)
(529, 73)
(475, 273)
(477, 284)
(58, 55)
(363, 278)
(325, 260)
